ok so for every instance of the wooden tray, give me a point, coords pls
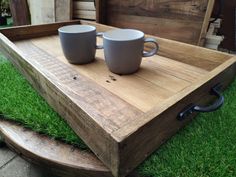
(122, 119)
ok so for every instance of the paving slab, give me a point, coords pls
(5, 156)
(16, 168)
(35, 171)
(12, 165)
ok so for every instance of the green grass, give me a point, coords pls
(9, 23)
(21, 103)
(206, 147)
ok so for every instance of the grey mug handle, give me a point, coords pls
(153, 51)
(99, 46)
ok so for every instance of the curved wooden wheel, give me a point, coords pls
(55, 156)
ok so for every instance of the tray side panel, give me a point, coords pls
(34, 31)
(158, 130)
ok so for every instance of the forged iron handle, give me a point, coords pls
(216, 105)
(196, 108)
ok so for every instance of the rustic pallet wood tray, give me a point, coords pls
(123, 119)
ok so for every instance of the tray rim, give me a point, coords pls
(116, 139)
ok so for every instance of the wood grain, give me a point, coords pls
(100, 12)
(84, 10)
(80, 5)
(63, 10)
(49, 11)
(20, 12)
(42, 11)
(174, 29)
(158, 76)
(85, 14)
(206, 21)
(185, 21)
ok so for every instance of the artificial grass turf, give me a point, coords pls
(206, 147)
(21, 103)
(9, 23)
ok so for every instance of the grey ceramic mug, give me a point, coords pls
(79, 43)
(124, 49)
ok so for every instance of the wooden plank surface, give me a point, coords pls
(158, 76)
(178, 20)
(84, 14)
(100, 11)
(49, 11)
(63, 10)
(84, 10)
(81, 5)
(20, 12)
(205, 24)
(42, 11)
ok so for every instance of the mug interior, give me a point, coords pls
(123, 35)
(76, 29)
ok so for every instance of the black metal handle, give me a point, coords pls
(195, 108)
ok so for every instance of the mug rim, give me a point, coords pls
(68, 29)
(107, 35)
